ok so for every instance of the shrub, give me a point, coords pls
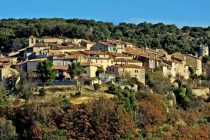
(78, 93)
(42, 92)
(114, 89)
(96, 86)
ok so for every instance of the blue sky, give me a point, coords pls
(178, 12)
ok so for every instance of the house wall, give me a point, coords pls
(38, 49)
(22, 67)
(103, 63)
(99, 47)
(194, 63)
(7, 72)
(138, 73)
(105, 78)
(88, 46)
(32, 65)
(59, 41)
(70, 50)
(134, 72)
(58, 62)
(90, 71)
(134, 63)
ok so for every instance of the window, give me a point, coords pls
(32, 40)
(142, 71)
(84, 71)
(137, 71)
(110, 69)
(142, 76)
(113, 70)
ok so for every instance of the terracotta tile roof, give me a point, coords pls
(69, 43)
(70, 47)
(40, 45)
(6, 59)
(59, 54)
(60, 67)
(107, 44)
(94, 52)
(76, 56)
(32, 37)
(115, 54)
(66, 75)
(116, 42)
(174, 61)
(165, 64)
(178, 58)
(88, 41)
(17, 64)
(128, 66)
(34, 60)
(113, 75)
(193, 56)
(9, 63)
(140, 54)
(126, 60)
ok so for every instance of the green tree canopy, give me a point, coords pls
(75, 69)
(46, 73)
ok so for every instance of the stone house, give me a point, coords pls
(21, 66)
(107, 77)
(33, 63)
(133, 70)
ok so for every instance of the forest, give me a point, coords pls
(169, 37)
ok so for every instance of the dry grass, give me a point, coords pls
(88, 93)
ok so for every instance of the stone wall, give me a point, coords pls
(200, 91)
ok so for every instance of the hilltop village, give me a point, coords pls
(115, 57)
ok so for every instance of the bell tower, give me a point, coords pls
(31, 41)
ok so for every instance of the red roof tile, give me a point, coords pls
(40, 45)
(60, 67)
(32, 37)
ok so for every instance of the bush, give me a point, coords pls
(96, 86)
(77, 94)
(42, 92)
(114, 89)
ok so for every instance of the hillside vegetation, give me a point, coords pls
(168, 37)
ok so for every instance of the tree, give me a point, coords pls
(46, 73)
(125, 77)
(96, 86)
(4, 102)
(75, 69)
(7, 130)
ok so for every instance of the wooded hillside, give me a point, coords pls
(168, 37)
